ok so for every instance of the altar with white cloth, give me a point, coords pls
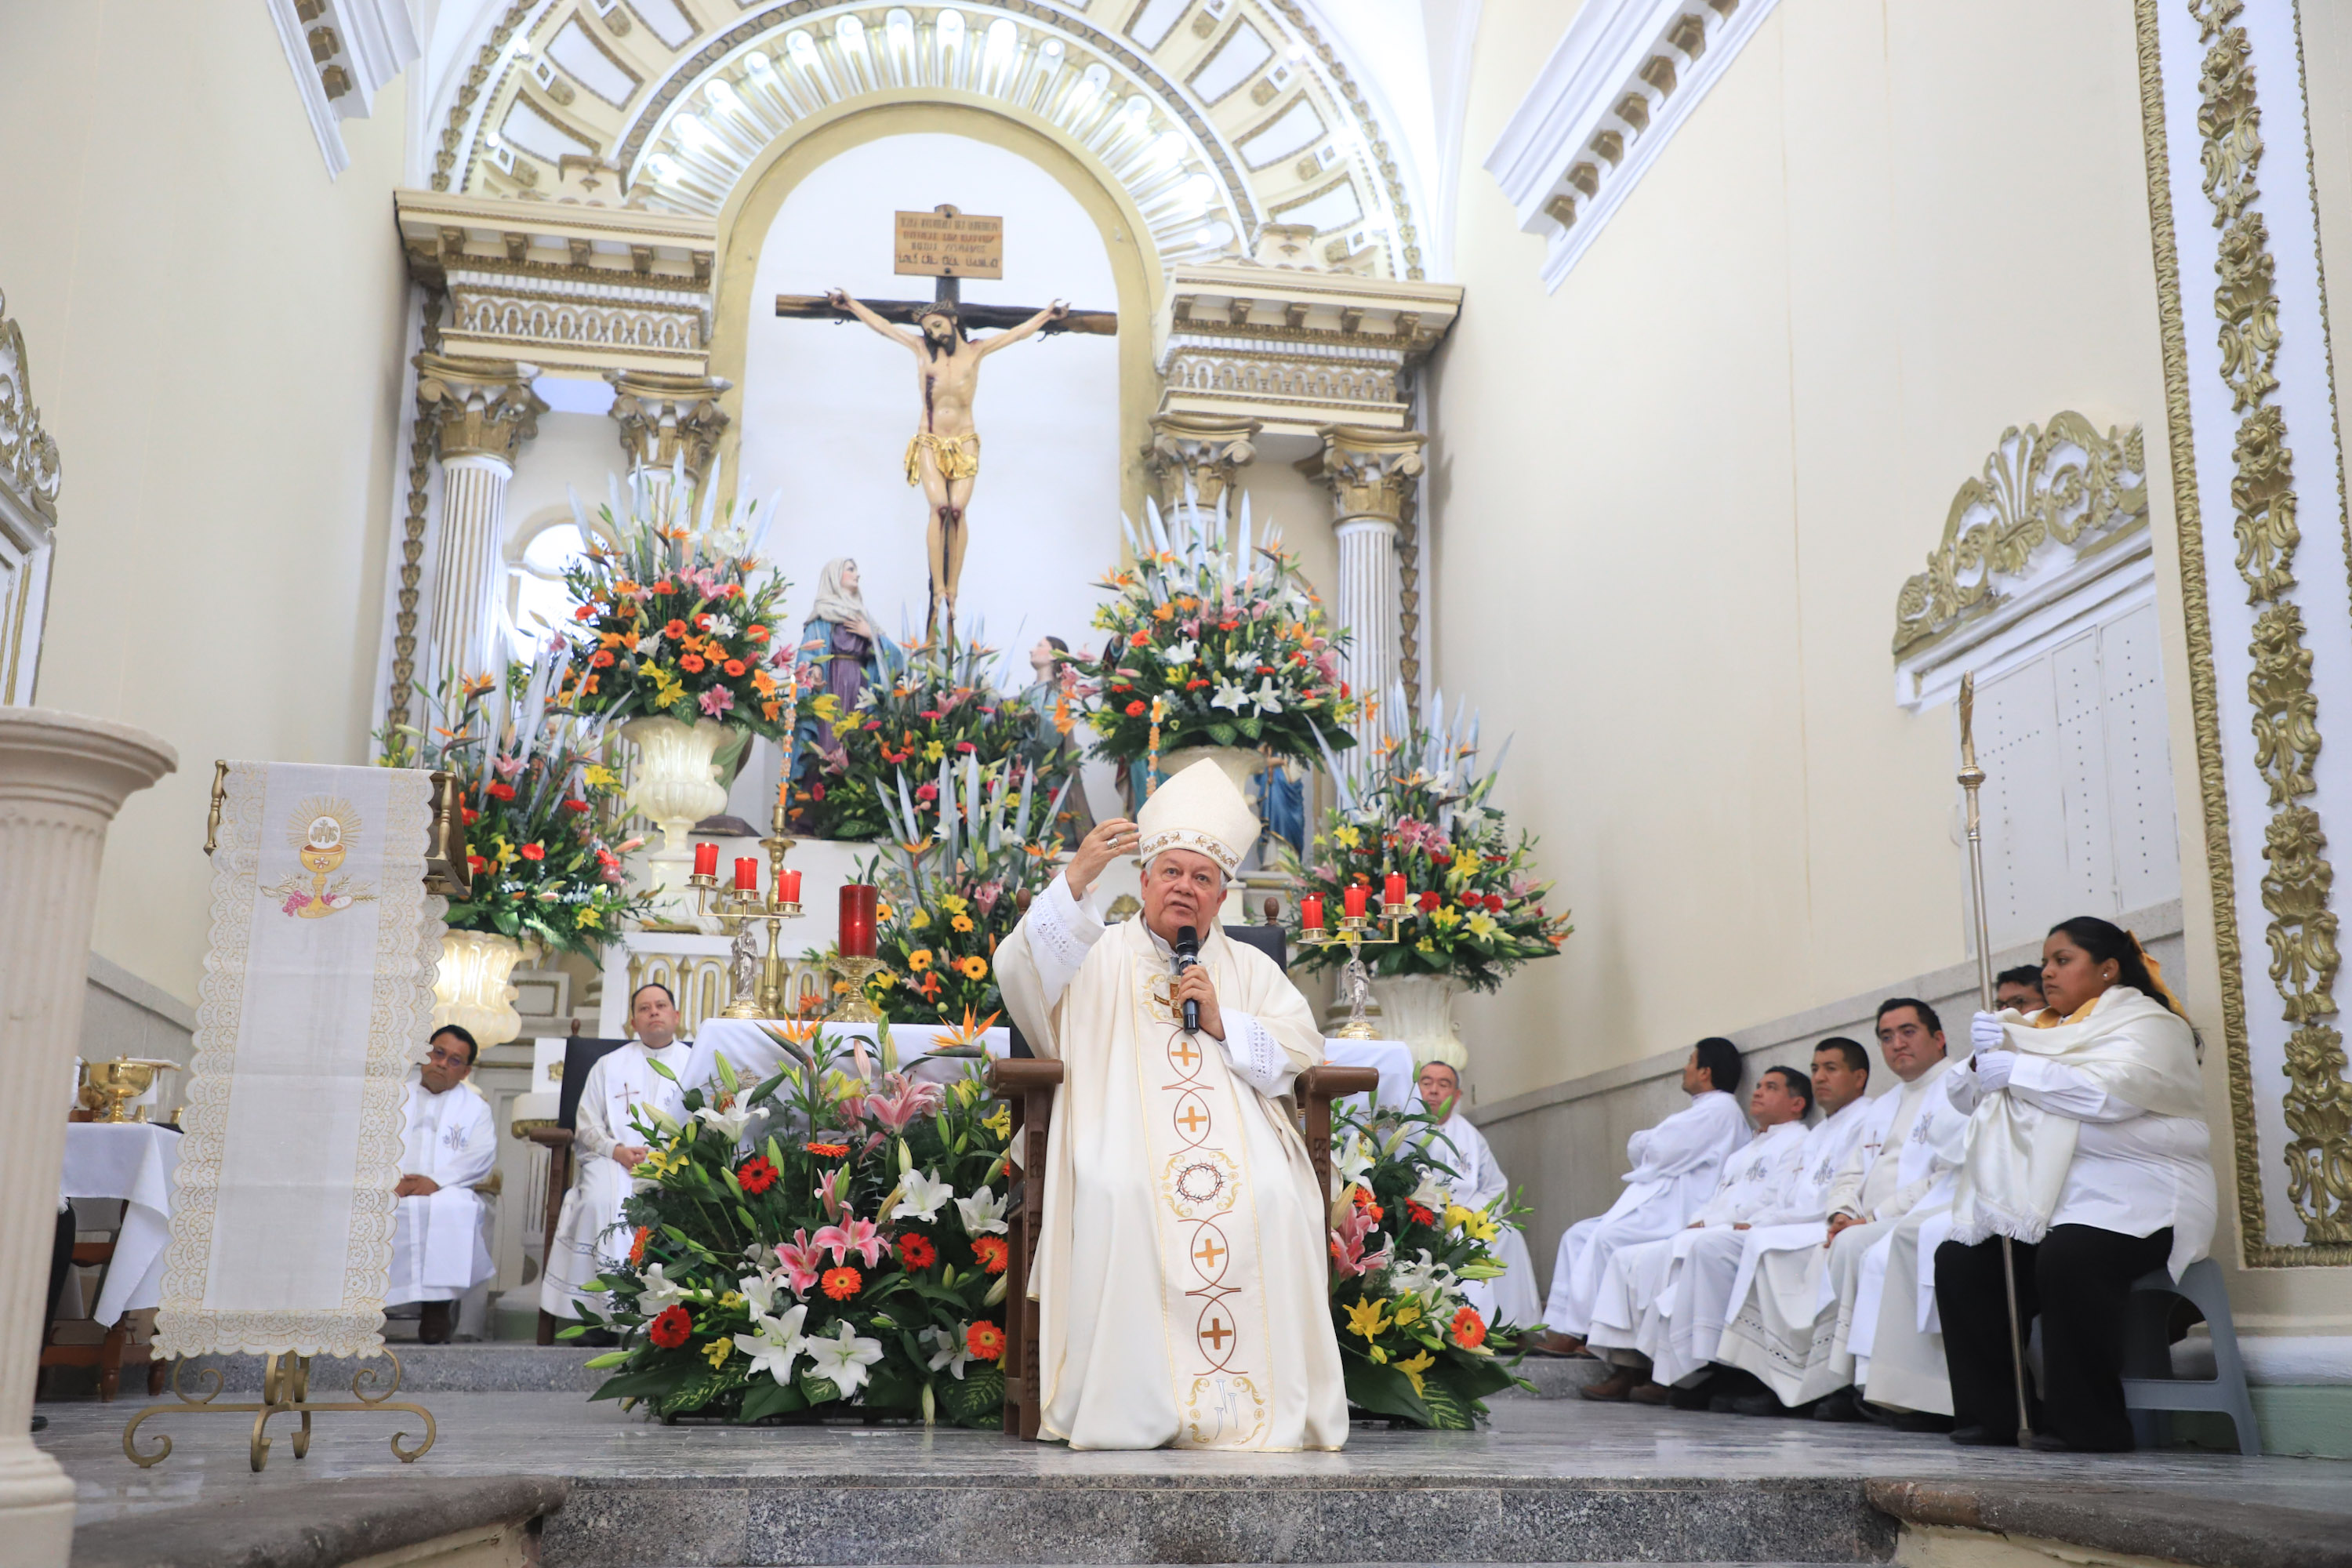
(130, 1162)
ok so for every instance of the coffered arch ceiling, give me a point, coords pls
(1216, 116)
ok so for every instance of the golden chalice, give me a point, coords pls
(118, 1083)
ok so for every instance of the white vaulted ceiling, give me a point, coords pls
(1215, 116)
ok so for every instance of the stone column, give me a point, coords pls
(62, 779)
(482, 412)
(1371, 473)
(667, 422)
(1206, 450)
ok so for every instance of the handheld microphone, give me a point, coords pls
(1188, 953)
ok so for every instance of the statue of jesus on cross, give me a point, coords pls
(944, 455)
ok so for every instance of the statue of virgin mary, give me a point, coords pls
(848, 650)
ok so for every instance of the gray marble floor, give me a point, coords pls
(1530, 1440)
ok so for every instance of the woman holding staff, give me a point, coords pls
(2086, 1147)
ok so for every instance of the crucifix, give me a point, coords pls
(943, 457)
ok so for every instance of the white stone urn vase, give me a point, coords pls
(1240, 764)
(1418, 1009)
(675, 785)
(62, 778)
(471, 989)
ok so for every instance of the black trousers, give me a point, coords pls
(2077, 1279)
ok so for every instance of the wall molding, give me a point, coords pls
(1624, 79)
(342, 53)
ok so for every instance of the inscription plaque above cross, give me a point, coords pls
(943, 457)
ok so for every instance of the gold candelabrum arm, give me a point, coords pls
(733, 908)
(1355, 932)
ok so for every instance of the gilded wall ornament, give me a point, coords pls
(2319, 1113)
(28, 457)
(2062, 483)
(421, 441)
(2262, 492)
(2303, 956)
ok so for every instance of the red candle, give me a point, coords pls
(746, 873)
(1310, 911)
(1392, 888)
(706, 860)
(788, 887)
(1356, 895)
(857, 919)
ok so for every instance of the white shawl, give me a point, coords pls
(2014, 1163)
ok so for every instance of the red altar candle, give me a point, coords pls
(746, 873)
(1356, 895)
(857, 919)
(788, 887)
(1310, 911)
(706, 860)
(1393, 887)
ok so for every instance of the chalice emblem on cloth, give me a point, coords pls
(322, 831)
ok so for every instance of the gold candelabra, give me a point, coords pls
(1355, 980)
(734, 908)
(857, 1008)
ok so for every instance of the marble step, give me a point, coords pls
(493, 1367)
(1203, 1516)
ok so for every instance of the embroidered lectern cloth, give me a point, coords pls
(317, 994)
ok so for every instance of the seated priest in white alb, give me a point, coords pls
(438, 1249)
(1791, 1326)
(1182, 1276)
(1647, 1291)
(1510, 1297)
(2088, 1147)
(622, 1088)
(1676, 1165)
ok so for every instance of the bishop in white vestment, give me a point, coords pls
(1510, 1297)
(622, 1088)
(439, 1249)
(1676, 1165)
(1180, 1279)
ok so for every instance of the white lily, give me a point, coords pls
(1229, 696)
(648, 646)
(760, 1292)
(1353, 1163)
(843, 1358)
(1267, 697)
(724, 625)
(949, 1351)
(1422, 1277)
(1181, 653)
(777, 1345)
(729, 1124)
(982, 1211)
(1432, 1195)
(660, 1292)
(923, 1197)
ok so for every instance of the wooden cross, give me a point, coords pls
(948, 265)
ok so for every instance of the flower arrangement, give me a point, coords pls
(537, 802)
(1212, 649)
(667, 621)
(1477, 911)
(1411, 1345)
(955, 887)
(854, 1253)
(941, 708)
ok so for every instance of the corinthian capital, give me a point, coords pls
(1205, 450)
(479, 407)
(663, 417)
(1369, 472)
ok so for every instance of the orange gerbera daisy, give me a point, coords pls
(842, 1283)
(993, 1253)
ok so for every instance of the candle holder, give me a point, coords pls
(755, 986)
(855, 1007)
(1353, 932)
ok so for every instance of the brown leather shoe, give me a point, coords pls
(1613, 1389)
(1552, 1342)
(1649, 1393)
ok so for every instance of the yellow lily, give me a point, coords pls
(1414, 1366)
(1365, 1318)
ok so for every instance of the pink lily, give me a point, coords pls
(1347, 1246)
(902, 1101)
(862, 1236)
(507, 767)
(717, 700)
(797, 1261)
(828, 1191)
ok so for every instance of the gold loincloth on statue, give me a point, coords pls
(958, 456)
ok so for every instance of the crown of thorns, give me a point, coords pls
(941, 308)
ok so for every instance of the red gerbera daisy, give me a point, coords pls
(916, 1251)
(756, 1175)
(842, 1283)
(992, 1252)
(984, 1340)
(1419, 1214)
(1469, 1329)
(670, 1328)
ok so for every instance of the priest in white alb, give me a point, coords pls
(1180, 1279)
(622, 1088)
(438, 1249)
(1509, 1297)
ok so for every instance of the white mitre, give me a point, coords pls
(1200, 810)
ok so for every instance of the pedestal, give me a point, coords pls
(471, 989)
(675, 785)
(1419, 1010)
(62, 779)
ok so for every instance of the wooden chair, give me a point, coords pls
(1028, 1086)
(110, 1353)
(580, 1052)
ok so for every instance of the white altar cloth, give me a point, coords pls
(133, 1161)
(1392, 1058)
